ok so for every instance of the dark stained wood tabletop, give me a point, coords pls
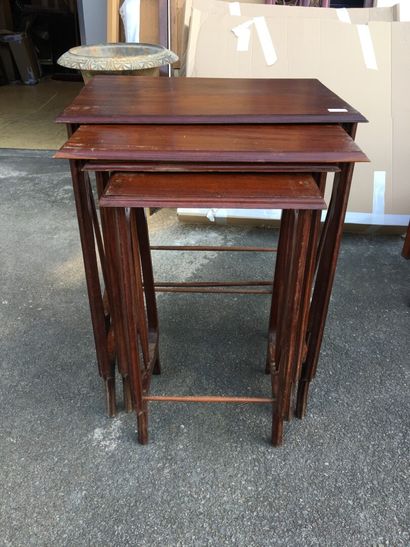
(143, 99)
(211, 143)
(287, 191)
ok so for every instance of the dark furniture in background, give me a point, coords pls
(351, 3)
(52, 28)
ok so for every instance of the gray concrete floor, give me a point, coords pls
(71, 476)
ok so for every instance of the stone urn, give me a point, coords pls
(121, 58)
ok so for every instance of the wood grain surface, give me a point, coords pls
(271, 191)
(143, 99)
(222, 143)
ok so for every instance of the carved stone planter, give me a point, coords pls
(122, 58)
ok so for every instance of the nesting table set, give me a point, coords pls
(178, 142)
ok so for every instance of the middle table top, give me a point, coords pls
(155, 100)
(210, 143)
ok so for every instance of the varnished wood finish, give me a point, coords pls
(119, 226)
(130, 100)
(406, 246)
(147, 277)
(114, 296)
(230, 143)
(289, 309)
(212, 283)
(295, 192)
(206, 399)
(214, 248)
(326, 270)
(212, 290)
(263, 191)
(301, 330)
(208, 167)
(106, 364)
(308, 280)
(162, 101)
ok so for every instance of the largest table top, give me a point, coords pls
(154, 100)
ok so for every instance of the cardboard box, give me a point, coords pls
(364, 60)
(402, 7)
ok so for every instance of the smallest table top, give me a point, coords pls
(213, 143)
(259, 191)
(143, 99)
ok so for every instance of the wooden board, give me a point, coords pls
(149, 29)
(113, 21)
(213, 143)
(283, 191)
(127, 99)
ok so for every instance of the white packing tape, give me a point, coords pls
(210, 215)
(243, 40)
(404, 11)
(243, 33)
(265, 40)
(402, 5)
(379, 191)
(366, 42)
(234, 8)
(343, 15)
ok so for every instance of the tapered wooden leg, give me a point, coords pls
(142, 421)
(113, 292)
(312, 249)
(139, 303)
(127, 395)
(279, 285)
(130, 318)
(294, 302)
(95, 294)
(277, 430)
(288, 320)
(302, 397)
(406, 246)
(309, 276)
(277, 418)
(324, 281)
(148, 276)
(111, 408)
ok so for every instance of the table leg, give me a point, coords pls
(114, 296)
(279, 284)
(288, 317)
(301, 343)
(148, 276)
(326, 270)
(130, 284)
(406, 246)
(106, 363)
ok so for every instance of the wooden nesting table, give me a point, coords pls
(146, 124)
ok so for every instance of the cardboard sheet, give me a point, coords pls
(365, 61)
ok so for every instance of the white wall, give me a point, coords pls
(92, 15)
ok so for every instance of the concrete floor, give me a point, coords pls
(71, 476)
(27, 113)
